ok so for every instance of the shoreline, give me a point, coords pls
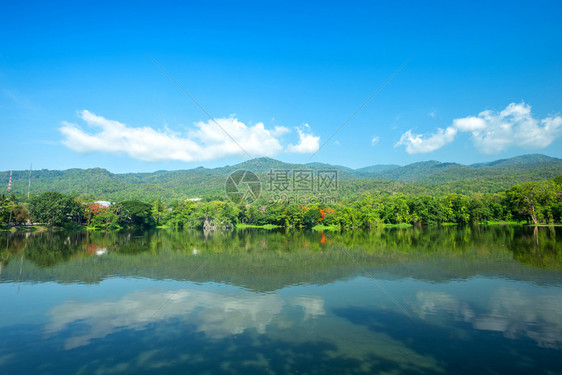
(240, 226)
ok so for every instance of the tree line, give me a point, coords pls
(537, 202)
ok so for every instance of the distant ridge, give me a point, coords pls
(430, 177)
(518, 160)
(374, 169)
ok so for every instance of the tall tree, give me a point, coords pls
(53, 208)
(533, 201)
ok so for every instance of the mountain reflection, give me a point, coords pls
(435, 300)
(266, 261)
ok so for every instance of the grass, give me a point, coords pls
(400, 225)
(266, 226)
(94, 228)
(491, 222)
(322, 227)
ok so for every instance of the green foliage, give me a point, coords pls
(534, 201)
(158, 211)
(7, 205)
(375, 210)
(361, 202)
(430, 178)
(54, 209)
(20, 214)
(133, 214)
(106, 221)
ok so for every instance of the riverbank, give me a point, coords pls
(317, 228)
(23, 228)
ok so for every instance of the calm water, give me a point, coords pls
(442, 300)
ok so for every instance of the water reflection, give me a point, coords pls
(478, 300)
(213, 313)
(512, 312)
(277, 259)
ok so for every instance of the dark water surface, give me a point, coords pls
(481, 300)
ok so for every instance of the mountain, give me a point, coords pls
(375, 169)
(428, 177)
(518, 160)
(434, 172)
(413, 172)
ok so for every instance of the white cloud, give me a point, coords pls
(491, 132)
(375, 140)
(515, 126)
(204, 142)
(420, 144)
(308, 142)
(432, 114)
(469, 124)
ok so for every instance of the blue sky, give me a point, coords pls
(79, 88)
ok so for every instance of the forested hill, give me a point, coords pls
(430, 177)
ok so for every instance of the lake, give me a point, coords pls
(470, 300)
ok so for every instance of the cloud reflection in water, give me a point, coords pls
(510, 311)
(216, 314)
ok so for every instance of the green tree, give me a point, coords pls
(457, 209)
(105, 220)
(134, 213)
(3, 209)
(54, 209)
(533, 201)
(21, 214)
(158, 211)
